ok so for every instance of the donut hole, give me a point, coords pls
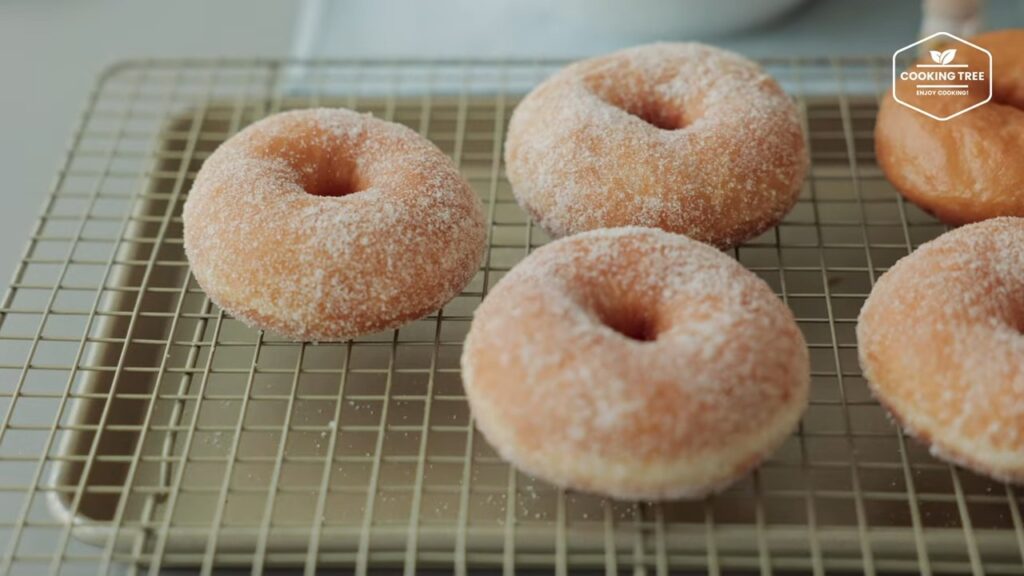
(1016, 319)
(643, 101)
(662, 118)
(340, 183)
(1008, 96)
(661, 115)
(630, 324)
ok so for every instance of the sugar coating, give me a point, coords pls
(580, 154)
(568, 398)
(941, 345)
(331, 267)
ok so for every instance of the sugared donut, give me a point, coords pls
(967, 168)
(942, 347)
(683, 137)
(326, 224)
(634, 363)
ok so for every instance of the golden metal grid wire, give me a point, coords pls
(143, 428)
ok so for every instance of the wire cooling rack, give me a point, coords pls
(143, 428)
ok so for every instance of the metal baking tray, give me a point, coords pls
(144, 428)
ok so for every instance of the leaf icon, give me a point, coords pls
(936, 56)
(948, 55)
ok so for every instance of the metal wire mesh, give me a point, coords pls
(143, 428)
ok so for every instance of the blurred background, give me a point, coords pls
(51, 51)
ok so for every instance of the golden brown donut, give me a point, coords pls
(683, 137)
(325, 224)
(970, 167)
(942, 347)
(634, 363)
